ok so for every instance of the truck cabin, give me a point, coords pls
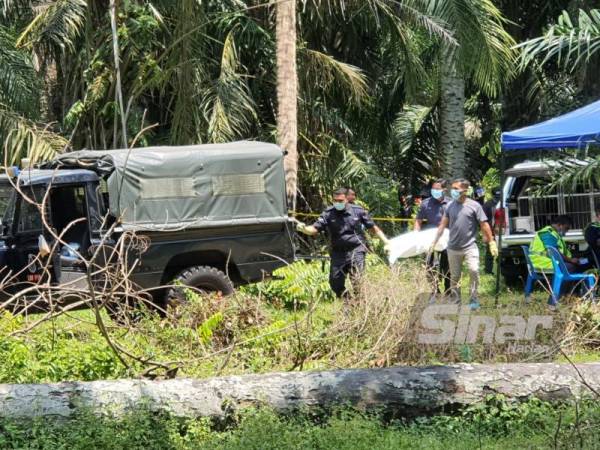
(71, 207)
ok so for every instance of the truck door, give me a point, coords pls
(69, 213)
(23, 245)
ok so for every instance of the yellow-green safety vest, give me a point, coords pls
(537, 250)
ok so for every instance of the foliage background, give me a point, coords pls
(369, 79)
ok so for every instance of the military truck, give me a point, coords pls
(215, 216)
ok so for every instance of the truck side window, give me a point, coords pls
(30, 218)
(68, 209)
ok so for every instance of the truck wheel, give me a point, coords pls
(203, 278)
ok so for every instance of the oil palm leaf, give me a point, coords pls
(570, 43)
(23, 138)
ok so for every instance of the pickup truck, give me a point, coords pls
(528, 208)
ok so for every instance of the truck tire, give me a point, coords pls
(203, 278)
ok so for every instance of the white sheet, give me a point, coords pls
(416, 243)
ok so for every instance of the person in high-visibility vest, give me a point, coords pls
(553, 236)
(592, 236)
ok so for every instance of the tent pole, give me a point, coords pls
(500, 227)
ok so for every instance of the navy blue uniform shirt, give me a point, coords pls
(432, 211)
(346, 228)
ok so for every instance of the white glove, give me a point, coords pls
(301, 227)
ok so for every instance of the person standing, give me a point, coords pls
(350, 195)
(479, 195)
(429, 216)
(592, 237)
(405, 209)
(345, 225)
(465, 218)
(489, 208)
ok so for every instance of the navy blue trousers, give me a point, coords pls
(344, 263)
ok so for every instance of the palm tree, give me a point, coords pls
(572, 44)
(483, 56)
(21, 133)
(287, 92)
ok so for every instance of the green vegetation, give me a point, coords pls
(494, 424)
(280, 325)
(376, 81)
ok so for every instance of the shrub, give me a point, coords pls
(298, 284)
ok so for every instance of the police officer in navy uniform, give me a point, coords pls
(592, 237)
(430, 216)
(345, 224)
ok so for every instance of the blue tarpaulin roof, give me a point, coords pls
(573, 130)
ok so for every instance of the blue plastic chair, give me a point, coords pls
(562, 275)
(533, 275)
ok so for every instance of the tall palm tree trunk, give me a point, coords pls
(287, 93)
(452, 120)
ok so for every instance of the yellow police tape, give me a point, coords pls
(378, 219)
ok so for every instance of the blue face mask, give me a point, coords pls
(340, 206)
(455, 194)
(437, 193)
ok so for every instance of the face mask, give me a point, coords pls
(340, 206)
(455, 193)
(437, 193)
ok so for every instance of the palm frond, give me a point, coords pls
(227, 104)
(570, 43)
(12, 11)
(408, 124)
(56, 25)
(415, 11)
(19, 84)
(486, 52)
(23, 138)
(325, 72)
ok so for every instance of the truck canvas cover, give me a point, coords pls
(195, 186)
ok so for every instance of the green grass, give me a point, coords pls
(493, 424)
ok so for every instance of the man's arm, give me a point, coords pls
(373, 229)
(486, 232)
(376, 231)
(308, 230)
(440, 230)
(419, 219)
(315, 228)
(550, 241)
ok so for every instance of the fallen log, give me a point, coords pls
(407, 391)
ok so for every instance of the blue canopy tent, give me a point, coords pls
(576, 129)
(572, 130)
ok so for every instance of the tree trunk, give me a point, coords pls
(287, 93)
(403, 391)
(452, 119)
(118, 87)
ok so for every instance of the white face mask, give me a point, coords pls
(340, 206)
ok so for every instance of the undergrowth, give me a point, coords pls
(279, 325)
(492, 424)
